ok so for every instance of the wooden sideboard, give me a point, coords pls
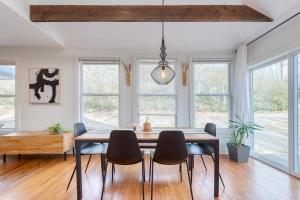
(35, 143)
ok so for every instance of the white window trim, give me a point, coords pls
(192, 87)
(16, 116)
(137, 95)
(83, 61)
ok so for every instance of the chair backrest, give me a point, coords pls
(79, 129)
(171, 148)
(123, 148)
(210, 128)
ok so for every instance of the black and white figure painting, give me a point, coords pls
(44, 85)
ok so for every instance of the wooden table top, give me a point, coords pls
(147, 137)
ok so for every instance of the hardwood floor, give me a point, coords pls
(40, 177)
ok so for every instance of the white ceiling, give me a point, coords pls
(17, 30)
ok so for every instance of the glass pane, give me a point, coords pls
(211, 109)
(146, 83)
(270, 106)
(101, 111)
(100, 78)
(211, 78)
(157, 104)
(158, 121)
(7, 110)
(7, 80)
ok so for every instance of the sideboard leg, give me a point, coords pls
(19, 156)
(65, 156)
(4, 158)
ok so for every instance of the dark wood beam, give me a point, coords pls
(145, 13)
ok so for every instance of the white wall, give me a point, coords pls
(284, 39)
(36, 117)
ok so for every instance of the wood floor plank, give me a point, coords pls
(40, 177)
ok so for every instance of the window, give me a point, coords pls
(7, 95)
(100, 93)
(158, 102)
(211, 93)
(270, 110)
(297, 134)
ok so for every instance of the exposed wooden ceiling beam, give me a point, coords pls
(145, 13)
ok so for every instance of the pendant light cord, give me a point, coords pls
(162, 30)
(163, 47)
(163, 23)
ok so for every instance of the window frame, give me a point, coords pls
(192, 89)
(137, 95)
(95, 61)
(290, 78)
(11, 63)
(292, 112)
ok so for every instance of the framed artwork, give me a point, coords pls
(44, 85)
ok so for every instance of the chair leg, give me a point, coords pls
(102, 160)
(190, 162)
(87, 165)
(112, 172)
(203, 163)
(143, 178)
(71, 178)
(152, 172)
(190, 180)
(180, 170)
(73, 151)
(150, 167)
(212, 157)
(221, 180)
(103, 184)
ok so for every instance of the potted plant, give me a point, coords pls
(56, 129)
(240, 130)
(147, 125)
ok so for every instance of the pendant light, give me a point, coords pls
(163, 73)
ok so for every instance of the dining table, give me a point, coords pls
(191, 136)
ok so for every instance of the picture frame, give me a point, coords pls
(44, 85)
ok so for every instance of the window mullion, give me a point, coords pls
(99, 95)
(4, 95)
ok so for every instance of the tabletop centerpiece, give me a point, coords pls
(147, 125)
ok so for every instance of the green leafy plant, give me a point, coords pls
(55, 129)
(241, 130)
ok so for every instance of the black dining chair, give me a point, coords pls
(203, 149)
(123, 149)
(87, 149)
(170, 150)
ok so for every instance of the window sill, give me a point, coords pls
(187, 130)
(4, 131)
